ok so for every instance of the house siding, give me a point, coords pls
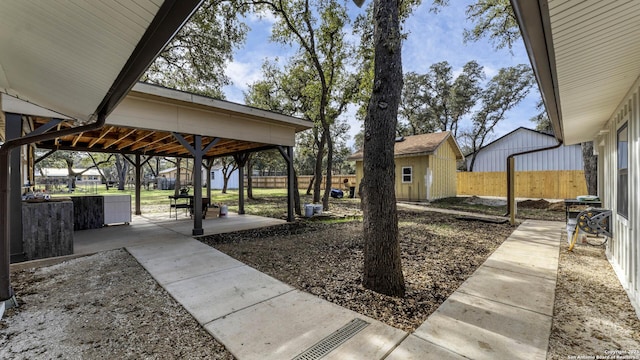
(492, 158)
(444, 166)
(623, 249)
(433, 176)
(416, 190)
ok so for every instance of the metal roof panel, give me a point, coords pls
(65, 56)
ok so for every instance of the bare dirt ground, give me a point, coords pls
(107, 306)
(592, 313)
(439, 252)
(102, 306)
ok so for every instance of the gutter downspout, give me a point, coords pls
(511, 199)
(6, 292)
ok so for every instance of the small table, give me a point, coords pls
(570, 211)
(180, 202)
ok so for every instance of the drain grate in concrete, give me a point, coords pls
(331, 342)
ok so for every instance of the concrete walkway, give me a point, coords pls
(254, 315)
(503, 311)
(148, 229)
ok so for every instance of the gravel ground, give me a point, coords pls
(102, 306)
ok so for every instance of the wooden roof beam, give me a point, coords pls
(103, 133)
(76, 139)
(136, 140)
(120, 138)
(169, 147)
(142, 144)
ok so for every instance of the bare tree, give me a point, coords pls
(228, 167)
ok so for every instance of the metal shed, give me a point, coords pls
(492, 157)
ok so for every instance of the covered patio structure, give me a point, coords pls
(154, 121)
(65, 70)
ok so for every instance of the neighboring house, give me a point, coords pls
(425, 166)
(493, 156)
(217, 179)
(186, 175)
(52, 174)
(586, 59)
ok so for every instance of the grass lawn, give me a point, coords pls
(266, 202)
(273, 202)
(154, 197)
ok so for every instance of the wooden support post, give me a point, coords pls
(287, 154)
(209, 166)
(241, 160)
(197, 186)
(511, 190)
(138, 166)
(6, 292)
(14, 131)
(198, 154)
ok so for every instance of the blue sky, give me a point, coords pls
(432, 38)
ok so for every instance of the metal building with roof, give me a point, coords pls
(492, 157)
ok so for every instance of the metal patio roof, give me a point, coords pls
(586, 56)
(79, 58)
(146, 119)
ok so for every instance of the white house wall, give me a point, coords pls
(217, 180)
(494, 156)
(623, 249)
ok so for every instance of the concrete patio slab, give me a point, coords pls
(415, 348)
(483, 329)
(217, 294)
(115, 237)
(528, 292)
(179, 266)
(219, 225)
(287, 325)
(168, 247)
(155, 228)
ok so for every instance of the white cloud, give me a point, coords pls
(490, 72)
(432, 38)
(262, 16)
(242, 74)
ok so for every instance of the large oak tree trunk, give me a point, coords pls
(317, 172)
(327, 180)
(122, 168)
(311, 182)
(382, 266)
(249, 178)
(176, 190)
(296, 195)
(590, 162)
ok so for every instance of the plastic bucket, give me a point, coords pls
(223, 210)
(308, 210)
(317, 209)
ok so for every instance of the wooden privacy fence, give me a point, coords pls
(280, 182)
(529, 184)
